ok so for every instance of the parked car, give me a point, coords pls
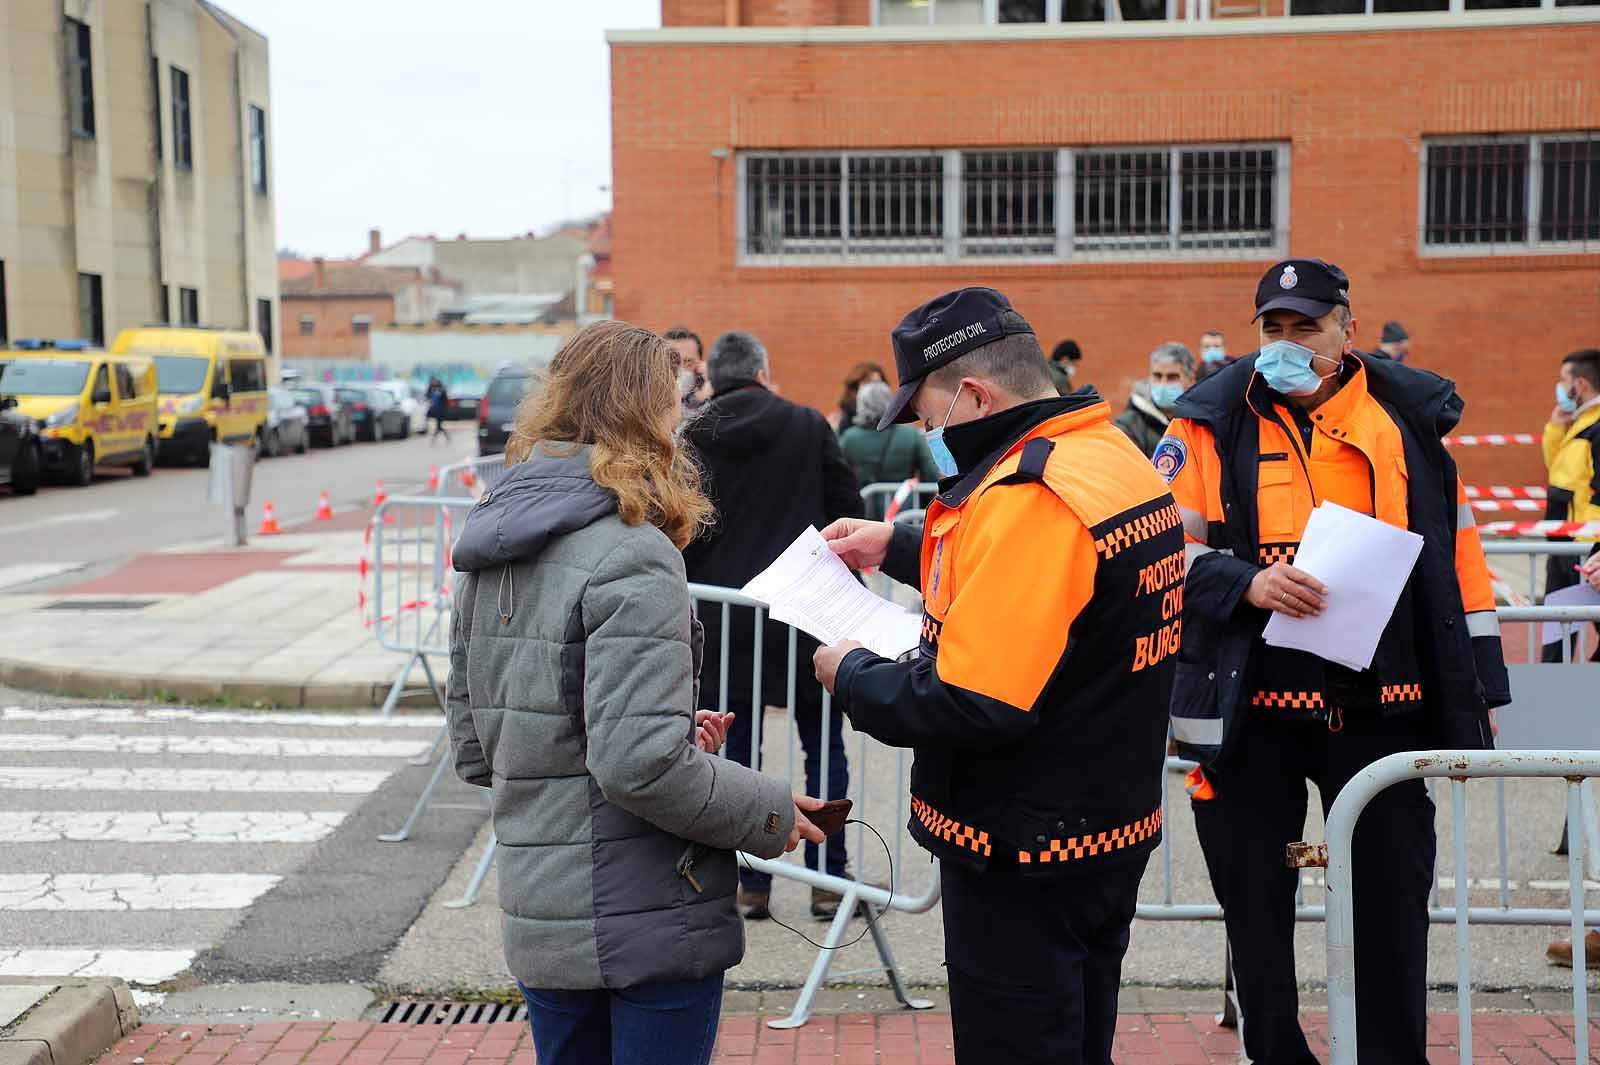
(465, 395)
(389, 419)
(213, 385)
(19, 449)
(416, 409)
(497, 412)
(328, 421)
(288, 424)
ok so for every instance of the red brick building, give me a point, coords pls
(811, 169)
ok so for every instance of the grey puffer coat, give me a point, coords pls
(571, 695)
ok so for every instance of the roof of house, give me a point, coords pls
(353, 279)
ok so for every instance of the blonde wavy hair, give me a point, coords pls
(613, 386)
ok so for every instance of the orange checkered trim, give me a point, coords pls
(1138, 530)
(1401, 693)
(1267, 554)
(1289, 700)
(1079, 847)
(950, 831)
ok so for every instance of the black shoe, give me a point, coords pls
(757, 905)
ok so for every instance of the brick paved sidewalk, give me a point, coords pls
(845, 1039)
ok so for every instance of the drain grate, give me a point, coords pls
(453, 1013)
(100, 604)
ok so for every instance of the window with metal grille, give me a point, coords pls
(182, 130)
(1050, 203)
(80, 78)
(1008, 203)
(1003, 12)
(258, 149)
(1519, 193)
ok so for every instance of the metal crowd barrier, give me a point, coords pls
(862, 779)
(1460, 766)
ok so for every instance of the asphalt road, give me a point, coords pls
(121, 515)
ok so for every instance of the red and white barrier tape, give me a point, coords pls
(1490, 440)
(1541, 528)
(1505, 491)
(1533, 506)
(901, 494)
(440, 594)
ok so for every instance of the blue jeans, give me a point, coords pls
(671, 1023)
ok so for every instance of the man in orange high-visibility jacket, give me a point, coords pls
(1251, 451)
(1052, 575)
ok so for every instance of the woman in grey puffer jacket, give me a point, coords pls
(572, 690)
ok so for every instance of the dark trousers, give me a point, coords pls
(673, 1023)
(1259, 808)
(808, 722)
(1035, 965)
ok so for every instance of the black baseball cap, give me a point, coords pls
(1309, 286)
(941, 331)
(1394, 332)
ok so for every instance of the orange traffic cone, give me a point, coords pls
(382, 496)
(324, 508)
(269, 522)
(433, 478)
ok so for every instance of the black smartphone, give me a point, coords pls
(832, 816)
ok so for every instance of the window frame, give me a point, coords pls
(1052, 15)
(1067, 249)
(182, 120)
(360, 324)
(80, 78)
(308, 324)
(264, 323)
(186, 297)
(258, 149)
(1533, 192)
(5, 321)
(92, 308)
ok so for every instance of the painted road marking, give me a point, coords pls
(134, 966)
(66, 778)
(246, 746)
(128, 892)
(170, 826)
(61, 519)
(114, 715)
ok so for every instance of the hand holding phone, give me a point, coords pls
(832, 816)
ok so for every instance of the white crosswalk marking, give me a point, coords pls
(102, 871)
(62, 778)
(132, 891)
(249, 746)
(172, 826)
(118, 715)
(134, 966)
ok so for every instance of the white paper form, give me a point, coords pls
(1579, 594)
(808, 587)
(1364, 563)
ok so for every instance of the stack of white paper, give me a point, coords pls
(1364, 563)
(809, 588)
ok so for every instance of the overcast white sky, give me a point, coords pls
(489, 117)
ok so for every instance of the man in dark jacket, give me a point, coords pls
(1250, 453)
(1149, 409)
(772, 469)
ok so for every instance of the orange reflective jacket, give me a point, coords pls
(1053, 585)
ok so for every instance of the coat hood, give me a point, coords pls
(539, 499)
(738, 421)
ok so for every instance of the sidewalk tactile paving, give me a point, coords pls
(839, 1039)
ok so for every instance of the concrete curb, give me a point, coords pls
(96, 684)
(77, 1023)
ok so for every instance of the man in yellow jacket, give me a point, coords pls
(1572, 457)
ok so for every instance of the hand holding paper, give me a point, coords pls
(1364, 564)
(808, 587)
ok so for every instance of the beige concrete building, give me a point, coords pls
(135, 169)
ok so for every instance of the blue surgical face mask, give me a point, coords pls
(942, 459)
(1214, 355)
(1565, 399)
(1287, 368)
(1165, 394)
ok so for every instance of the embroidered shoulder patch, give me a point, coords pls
(1170, 456)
